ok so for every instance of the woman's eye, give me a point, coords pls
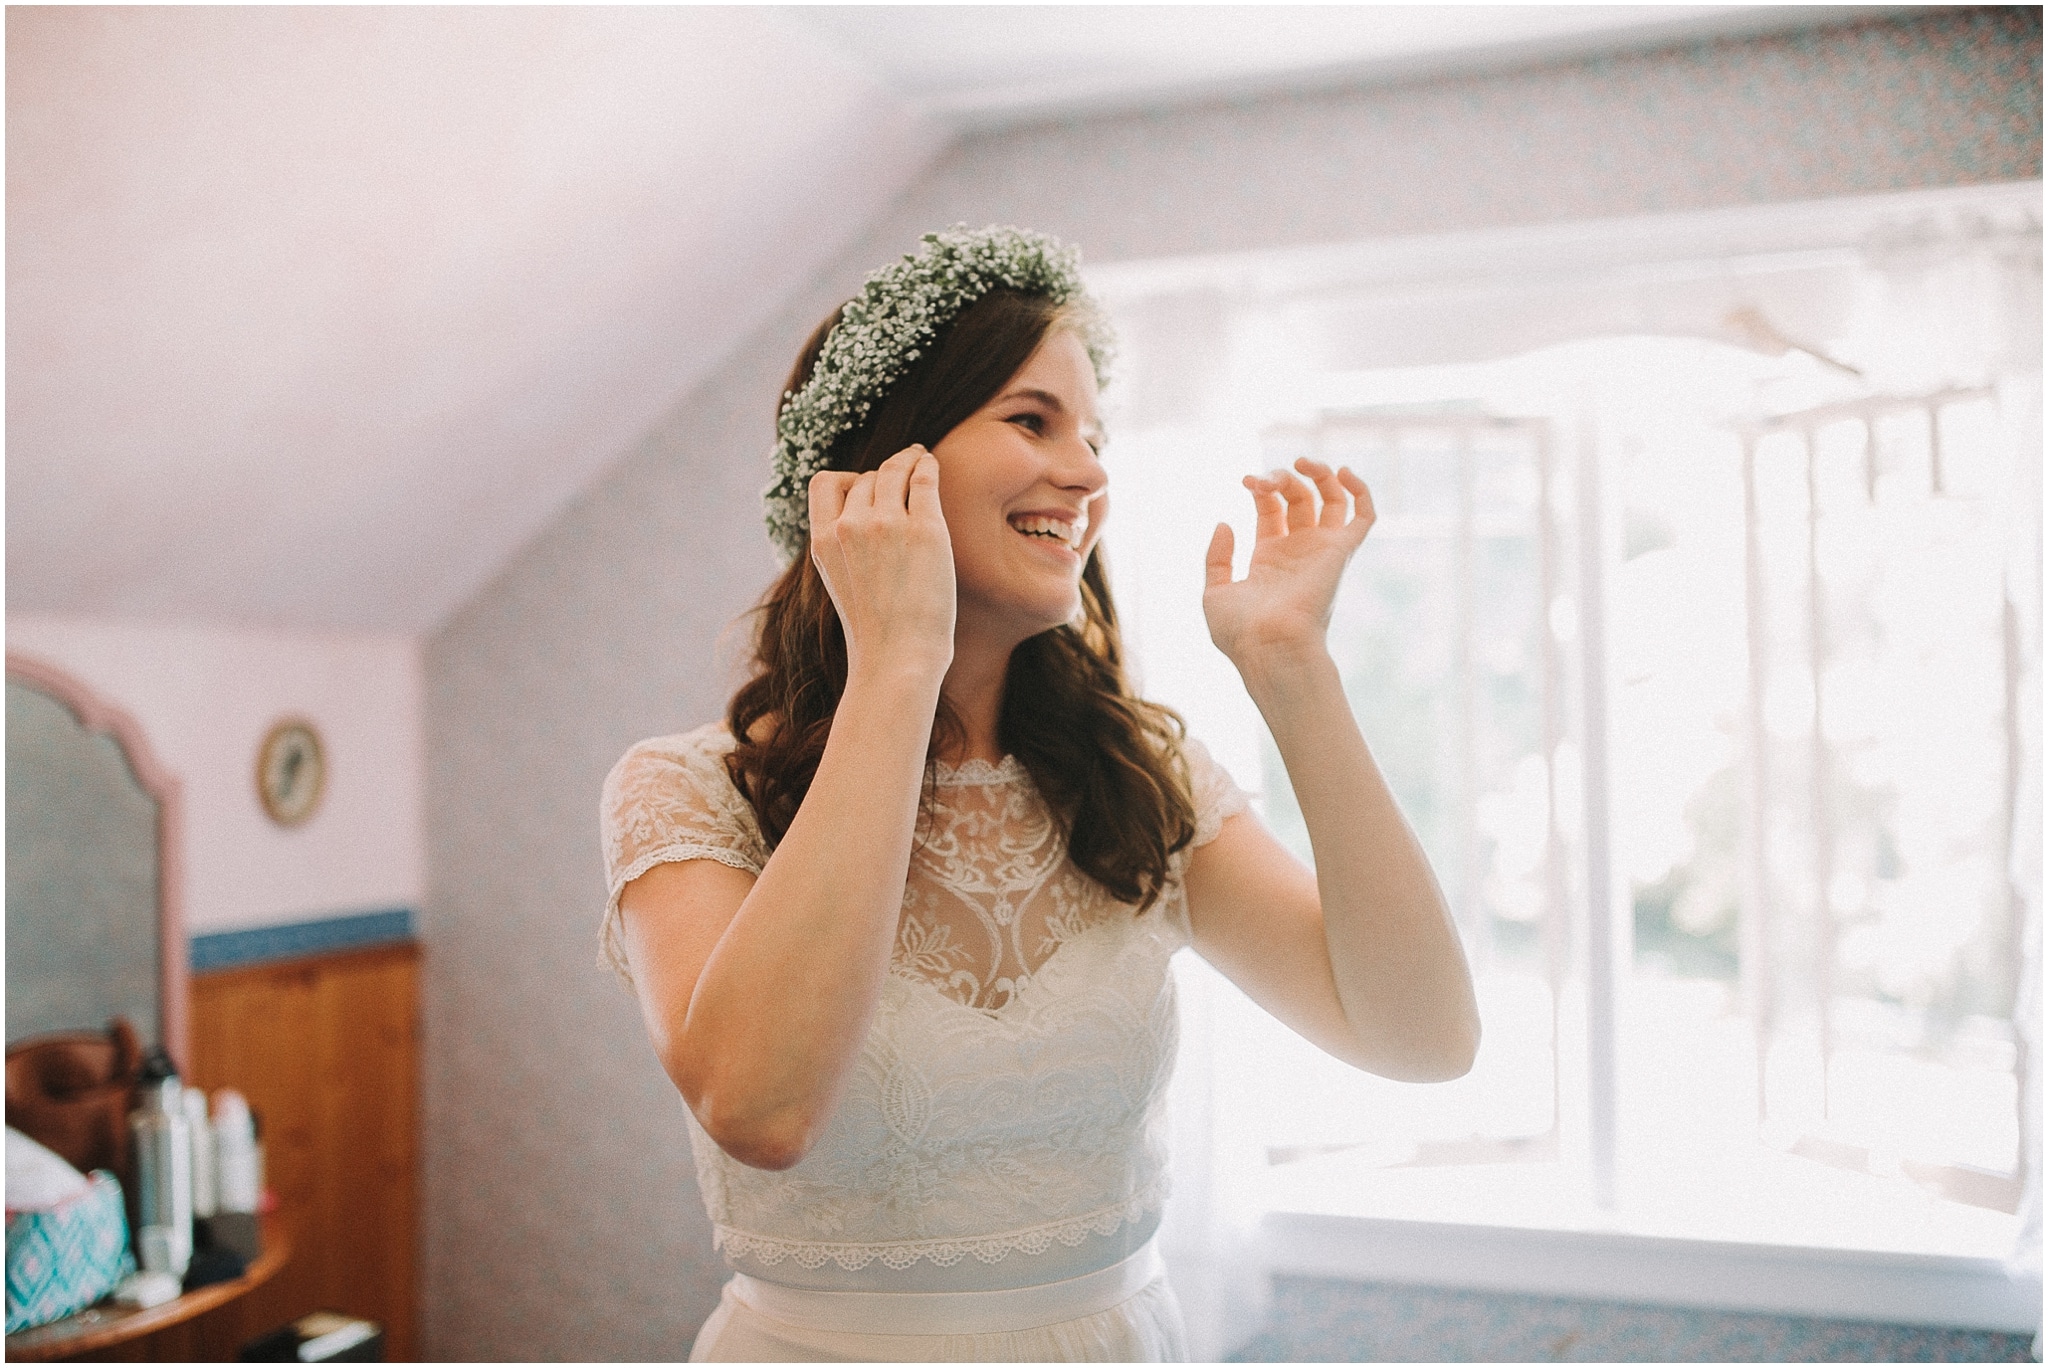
(1029, 420)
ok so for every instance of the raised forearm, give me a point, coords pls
(783, 1003)
(1399, 968)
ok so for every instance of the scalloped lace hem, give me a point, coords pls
(944, 1253)
(978, 771)
(611, 953)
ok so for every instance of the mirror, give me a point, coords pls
(94, 921)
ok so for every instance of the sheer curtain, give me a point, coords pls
(1957, 304)
(1911, 296)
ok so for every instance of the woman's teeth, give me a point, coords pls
(1066, 533)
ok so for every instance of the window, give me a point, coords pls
(1696, 638)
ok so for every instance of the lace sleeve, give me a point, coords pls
(1217, 796)
(1217, 799)
(670, 800)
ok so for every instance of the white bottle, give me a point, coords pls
(163, 1170)
(204, 1185)
(235, 1157)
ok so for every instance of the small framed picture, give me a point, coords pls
(291, 771)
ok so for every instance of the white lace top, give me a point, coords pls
(1004, 1123)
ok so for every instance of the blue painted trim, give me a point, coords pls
(261, 944)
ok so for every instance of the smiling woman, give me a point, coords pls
(1027, 462)
(900, 927)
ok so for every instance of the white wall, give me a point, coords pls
(205, 696)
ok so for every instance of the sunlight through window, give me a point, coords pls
(1804, 689)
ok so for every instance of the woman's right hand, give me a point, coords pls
(881, 545)
(758, 990)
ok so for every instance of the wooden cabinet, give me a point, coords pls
(326, 1049)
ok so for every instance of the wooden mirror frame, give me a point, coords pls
(98, 715)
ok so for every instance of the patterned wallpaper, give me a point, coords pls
(561, 1218)
(1325, 1320)
(1953, 99)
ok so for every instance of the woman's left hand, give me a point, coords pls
(1307, 529)
(1362, 955)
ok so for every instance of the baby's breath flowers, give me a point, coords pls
(899, 312)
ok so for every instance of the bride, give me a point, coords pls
(900, 925)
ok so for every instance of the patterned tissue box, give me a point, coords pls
(65, 1259)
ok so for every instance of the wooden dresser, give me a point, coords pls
(326, 1049)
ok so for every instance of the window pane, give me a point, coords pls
(1810, 735)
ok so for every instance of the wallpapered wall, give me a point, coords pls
(561, 1215)
(1324, 1320)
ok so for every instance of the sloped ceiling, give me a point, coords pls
(316, 315)
(989, 66)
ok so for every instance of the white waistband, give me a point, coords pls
(952, 1313)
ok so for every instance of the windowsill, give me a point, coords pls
(1522, 1229)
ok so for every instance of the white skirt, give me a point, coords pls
(1125, 1313)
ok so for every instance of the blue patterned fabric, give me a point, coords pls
(64, 1260)
(1331, 1320)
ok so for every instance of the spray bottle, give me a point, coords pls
(163, 1169)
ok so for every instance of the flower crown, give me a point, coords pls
(900, 311)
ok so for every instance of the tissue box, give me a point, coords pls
(65, 1259)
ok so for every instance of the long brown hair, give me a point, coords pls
(1108, 764)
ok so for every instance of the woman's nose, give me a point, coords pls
(1080, 467)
